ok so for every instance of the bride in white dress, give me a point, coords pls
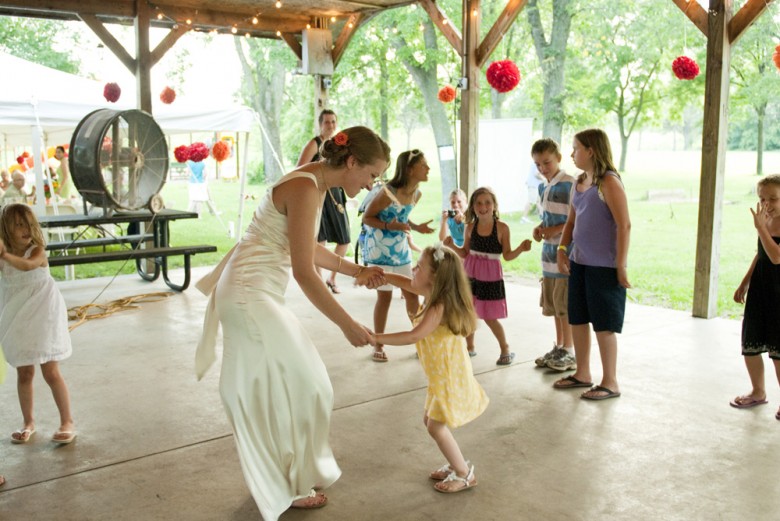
(274, 386)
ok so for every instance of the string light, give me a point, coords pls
(159, 16)
(247, 35)
(445, 22)
(474, 12)
(254, 20)
(351, 25)
(188, 21)
(278, 4)
(332, 18)
(308, 26)
(234, 29)
(278, 33)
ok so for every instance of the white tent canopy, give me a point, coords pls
(33, 95)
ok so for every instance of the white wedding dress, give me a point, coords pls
(274, 386)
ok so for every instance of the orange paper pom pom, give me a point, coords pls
(447, 94)
(220, 151)
(776, 57)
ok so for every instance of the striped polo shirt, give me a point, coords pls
(555, 198)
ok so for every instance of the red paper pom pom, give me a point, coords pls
(447, 94)
(111, 92)
(776, 57)
(220, 151)
(198, 152)
(20, 160)
(685, 68)
(503, 75)
(167, 95)
(181, 153)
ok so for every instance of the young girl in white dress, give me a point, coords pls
(33, 318)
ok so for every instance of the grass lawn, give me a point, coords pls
(663, 235)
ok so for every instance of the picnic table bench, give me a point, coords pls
(145, 238)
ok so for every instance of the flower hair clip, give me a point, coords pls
(341, 139)
(438, 251)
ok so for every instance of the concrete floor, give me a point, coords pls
(154, 443)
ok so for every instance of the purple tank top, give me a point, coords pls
(595, 230)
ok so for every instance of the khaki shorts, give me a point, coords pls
(406, 269)
(555, 297)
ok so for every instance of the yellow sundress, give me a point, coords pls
(454, 395)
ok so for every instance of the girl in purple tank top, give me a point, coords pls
(486, 240)
(594, 252)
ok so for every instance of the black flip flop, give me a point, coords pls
(574, 383)
(600, 389)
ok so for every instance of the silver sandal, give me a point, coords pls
(444, 469)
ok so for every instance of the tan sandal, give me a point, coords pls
(468, 482)
(313, 500)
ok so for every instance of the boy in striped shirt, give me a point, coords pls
(555, 198)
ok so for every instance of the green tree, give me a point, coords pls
(754, 78)
(35, 40)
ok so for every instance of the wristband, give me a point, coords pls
(385, 225)
(562, 247)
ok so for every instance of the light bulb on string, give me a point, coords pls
(188, 21)
(278, 4)
(234, 29)
(254, 20)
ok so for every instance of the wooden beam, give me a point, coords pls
(206, 20)
(47, 8)
(143, 64)
(469, 107)
(713, 160)
(747, 14)
(108, 40)
(165, 45)
(496, 33)
(292, 43)
(346, 34)
(695, 13)
(444, 24)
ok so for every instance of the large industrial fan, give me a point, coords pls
(119, 160)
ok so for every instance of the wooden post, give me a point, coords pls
(713, 160)
(143, 65)
(469, 108)
(320, 99)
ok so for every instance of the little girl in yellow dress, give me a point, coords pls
(447, 316)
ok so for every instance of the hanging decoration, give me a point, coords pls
(112, 92)
(220, 151)
(181, 153)
(776, 57)
(447, 94)
(503, 75)
(168, 95)
(198, 152)
(685, 68)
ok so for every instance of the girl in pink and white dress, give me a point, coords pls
(28, 293)
(487, 240)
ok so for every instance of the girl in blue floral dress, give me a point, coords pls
(387, 244)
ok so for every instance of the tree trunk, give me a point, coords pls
(496, 101)
(427, 83)
(264, 93)
(761, 113)
(384, 79)
(552, 57)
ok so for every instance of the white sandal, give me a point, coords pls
(468, 482)
(444, 469)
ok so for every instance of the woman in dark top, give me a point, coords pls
(334, 224)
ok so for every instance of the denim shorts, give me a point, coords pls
(596, 297)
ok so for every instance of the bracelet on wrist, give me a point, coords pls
(563, 247)
(359, 271)
(385, 225)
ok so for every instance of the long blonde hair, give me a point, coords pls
(598, 141)
(8, 219)
(451, 289)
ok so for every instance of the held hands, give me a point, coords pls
(357, 334)
(371, 278)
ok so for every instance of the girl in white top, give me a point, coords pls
(27, 293)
